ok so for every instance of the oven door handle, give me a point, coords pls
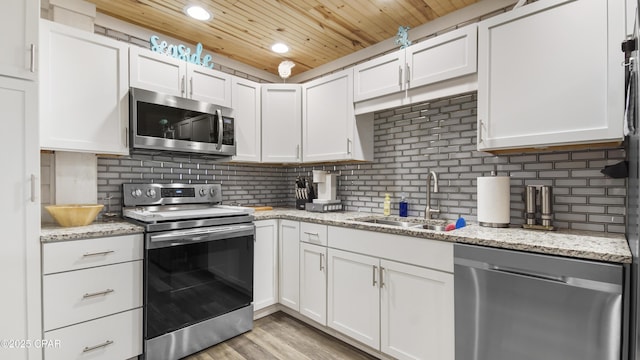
(176, 238)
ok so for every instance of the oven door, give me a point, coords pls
(195, 275)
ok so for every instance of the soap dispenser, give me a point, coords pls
(387, 204)
(404, 207)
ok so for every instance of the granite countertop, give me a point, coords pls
(576, 244)
(588, 245)
(52, 233)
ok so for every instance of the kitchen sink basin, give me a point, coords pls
(405, 224)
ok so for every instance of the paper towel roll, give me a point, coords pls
(493, 201)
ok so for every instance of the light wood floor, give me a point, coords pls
(281, 337)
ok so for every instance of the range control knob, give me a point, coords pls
(203, 192)
(213, 192)
(136, 193)
(151, 193)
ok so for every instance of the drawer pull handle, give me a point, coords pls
(311, 234)
(91, 348)
(98, 253)
(101, 293)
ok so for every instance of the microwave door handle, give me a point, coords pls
(220, 129)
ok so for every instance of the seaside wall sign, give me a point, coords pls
(181, 52)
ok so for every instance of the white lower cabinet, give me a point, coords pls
(265, 264)
(378, 298)
(313, 282)
(289, 264)
(92, 298)
(115, 337)
(416, 312)
(354, 296)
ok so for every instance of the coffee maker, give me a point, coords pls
(326, 200)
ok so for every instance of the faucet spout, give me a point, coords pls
(429, 210)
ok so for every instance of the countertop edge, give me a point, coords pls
(605, 247)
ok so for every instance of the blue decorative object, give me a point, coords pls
(402, 38)
(181, 52)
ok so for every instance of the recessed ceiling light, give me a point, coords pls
(197, 12)
(280, 48)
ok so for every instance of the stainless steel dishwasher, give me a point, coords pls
(513, 305)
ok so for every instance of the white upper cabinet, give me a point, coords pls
(281, 123)
(158, 72)
(550, 73)
(19, 26)
(443, 57)
(401, 77)
(211, 86)
(329, 125)
(248, 119)
(380, 76)
(84, 88)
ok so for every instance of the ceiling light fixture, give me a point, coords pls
(280, 48)
(197, 12)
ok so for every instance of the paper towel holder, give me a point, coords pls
(496, 192)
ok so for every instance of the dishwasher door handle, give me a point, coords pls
(559, 279)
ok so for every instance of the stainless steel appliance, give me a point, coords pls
(514, 305)
(632, 144)
(166, 123)
(198, 266)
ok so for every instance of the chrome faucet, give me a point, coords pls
(428, 210)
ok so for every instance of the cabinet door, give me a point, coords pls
(380, 76)
(157, 72)
(313, 282)
(444, 57)
(281, 123)
(19, 26)
(265, 264)
(20, 257)
(328, 118)
(543, 81)
(289, 281)
(210, 86)
(417, 320)
(353, 296)
(248, 120)
(83, 90)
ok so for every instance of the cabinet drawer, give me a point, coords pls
(80, 254)
(121, 335)
(313, 233)
(76, 296)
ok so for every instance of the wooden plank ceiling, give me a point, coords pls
(316, 31)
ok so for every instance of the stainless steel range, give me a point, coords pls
(198, 266)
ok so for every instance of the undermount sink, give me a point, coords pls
(404, 224)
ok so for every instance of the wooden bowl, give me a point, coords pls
(74, 214)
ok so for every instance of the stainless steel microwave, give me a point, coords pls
(165, 123)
